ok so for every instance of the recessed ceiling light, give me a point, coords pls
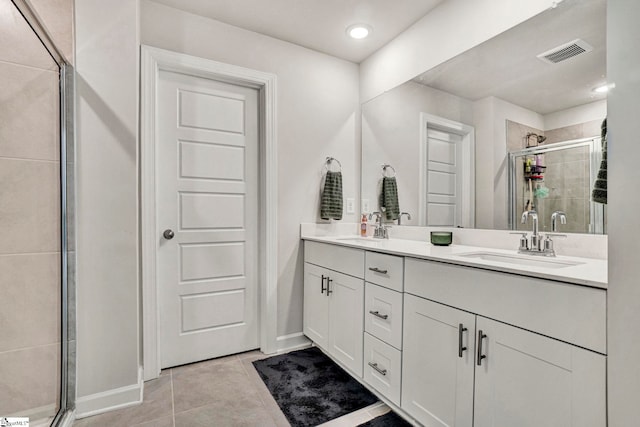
(358, 31)
(604, 88)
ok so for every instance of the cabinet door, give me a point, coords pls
(316, 305)
(437, 383)
(529, 380)
(346, 320)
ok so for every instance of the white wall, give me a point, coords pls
(391, 134)
(318, 116)
(623, 302)
(448, 30)
(576, 115)
(107, 195)
(492, 180)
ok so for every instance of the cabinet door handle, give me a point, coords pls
(322, 288)
(377, 369)
(377, 314)
(329, 291)
(461, 329)
(377, 270)
(480, 356)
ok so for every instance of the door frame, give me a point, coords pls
(467, 133)
(154, 60)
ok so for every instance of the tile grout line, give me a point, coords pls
(264, 404)
(173, 405)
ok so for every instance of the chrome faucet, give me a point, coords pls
(538, 246)
(535, 237)
(554, 220)
(400, 217)
(381, 231)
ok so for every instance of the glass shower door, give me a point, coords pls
(32, 257)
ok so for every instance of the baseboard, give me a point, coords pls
(292, 342)
(110, 400)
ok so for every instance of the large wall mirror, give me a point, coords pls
(513, 124)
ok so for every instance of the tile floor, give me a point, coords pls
(216, 393)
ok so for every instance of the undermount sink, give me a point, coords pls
(527, 260)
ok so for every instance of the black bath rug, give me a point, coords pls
(390, 419)
(310, 388)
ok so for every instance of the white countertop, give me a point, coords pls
(588, 271)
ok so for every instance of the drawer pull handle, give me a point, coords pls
(329, 291)
(322, 288)
(375, 366)
(377, 270)
(377, 314)
(461, 329)
(481, 356)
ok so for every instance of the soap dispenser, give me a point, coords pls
(363, 225)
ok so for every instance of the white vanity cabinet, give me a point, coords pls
(529, 380)
(506, 376)
(454, 345)
(438, 363)
(334, 302)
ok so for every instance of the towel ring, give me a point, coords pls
(384, 170)
(330, 160)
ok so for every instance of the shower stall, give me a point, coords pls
(37, 251)
(557, 177)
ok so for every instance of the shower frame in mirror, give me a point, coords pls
(596, 211)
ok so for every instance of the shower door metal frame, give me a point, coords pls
(595, 154)
(67, 193)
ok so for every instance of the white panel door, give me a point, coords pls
(207, 195)
(444, 184)
(437, 363)
(346, 322)
(316, 305)
(529, 380)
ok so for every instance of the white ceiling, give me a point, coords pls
(506, 66)
(316, 24)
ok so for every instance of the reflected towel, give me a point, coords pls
(331, 202)
(389, 198)
(599, 194)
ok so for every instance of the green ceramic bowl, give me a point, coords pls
(441, 238)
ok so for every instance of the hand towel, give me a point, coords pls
(599, 194)
(389, 198)
(331, 202)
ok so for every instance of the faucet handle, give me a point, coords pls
(555, 235)
(548, 243)
(524, 242)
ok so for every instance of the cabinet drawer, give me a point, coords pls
(384, 270)
(383, 314)
(382, 367)
(338, 258)
(572, 313)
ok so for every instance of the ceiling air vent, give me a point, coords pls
(565, 51)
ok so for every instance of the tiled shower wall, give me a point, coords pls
(30, 212)
(567, 176)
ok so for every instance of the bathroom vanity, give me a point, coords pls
(462, 335)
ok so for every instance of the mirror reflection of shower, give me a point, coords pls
(556, 178)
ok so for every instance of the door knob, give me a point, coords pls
(168, 234)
